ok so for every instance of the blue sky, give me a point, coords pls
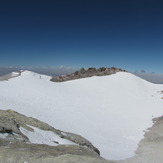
(87, 33)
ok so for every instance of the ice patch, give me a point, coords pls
(44, 137)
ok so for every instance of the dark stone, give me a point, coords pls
(82, 73)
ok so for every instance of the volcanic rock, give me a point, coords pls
(82, 73)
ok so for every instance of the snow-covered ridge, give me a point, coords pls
(110, 111)
(29, 75)
(24, 74)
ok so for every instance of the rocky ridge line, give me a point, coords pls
(83, 73)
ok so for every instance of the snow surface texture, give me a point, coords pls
(44, 137)
(110, 111)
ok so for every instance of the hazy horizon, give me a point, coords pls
(149, 76)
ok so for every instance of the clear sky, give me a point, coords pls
(82, 33)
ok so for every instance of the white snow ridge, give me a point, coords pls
(110, 111)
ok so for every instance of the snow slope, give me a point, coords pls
(110, 111)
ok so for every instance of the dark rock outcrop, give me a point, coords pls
(83, 73)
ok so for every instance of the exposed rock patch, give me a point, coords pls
(83, 73)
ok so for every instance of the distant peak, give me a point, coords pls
(84, 73)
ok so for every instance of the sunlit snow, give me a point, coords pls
(110, 111)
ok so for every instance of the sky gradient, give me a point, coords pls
(82, 33)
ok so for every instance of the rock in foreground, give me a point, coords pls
(17, 133)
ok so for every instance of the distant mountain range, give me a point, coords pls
(56, 72)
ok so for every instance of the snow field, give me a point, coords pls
(110, 111)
